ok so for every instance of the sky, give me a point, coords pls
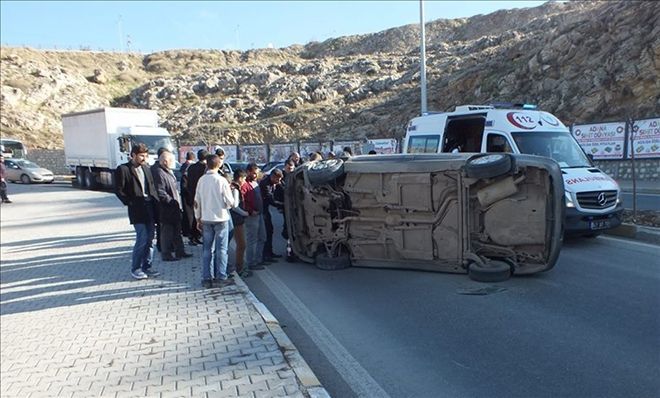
(150, 26)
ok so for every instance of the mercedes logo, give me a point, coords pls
(602, 199)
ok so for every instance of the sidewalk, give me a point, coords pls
(73, 322)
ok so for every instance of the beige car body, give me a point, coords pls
(427, 212)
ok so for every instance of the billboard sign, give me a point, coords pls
(644, 138)
(602, 140)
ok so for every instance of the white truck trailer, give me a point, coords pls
(99, 140)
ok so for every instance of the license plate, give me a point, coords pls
(599, 224)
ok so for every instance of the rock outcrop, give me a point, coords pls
(583, 61)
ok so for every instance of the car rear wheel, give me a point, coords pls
(488, 165)
(325, 171)
(491, 271)
(25, 179)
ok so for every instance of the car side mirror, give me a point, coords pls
(590, 156)
(123, 146)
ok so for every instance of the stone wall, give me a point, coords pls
(51, 159)
(645, 169)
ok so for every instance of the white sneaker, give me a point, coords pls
(138, 274)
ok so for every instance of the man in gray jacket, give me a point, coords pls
(169, 209)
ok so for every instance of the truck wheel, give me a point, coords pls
(325, 171)
(492, 271)
(79, 181)
(90, 179)
(488, 165)
(323, 261)
(25, 179)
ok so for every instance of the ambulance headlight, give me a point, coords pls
(569, 199)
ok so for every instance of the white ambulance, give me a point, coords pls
(593, 199)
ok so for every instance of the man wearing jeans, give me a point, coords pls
(255, 230)
(213, 199)
(134, 186)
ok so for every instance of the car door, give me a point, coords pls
(13, 170)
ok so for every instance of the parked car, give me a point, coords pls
(27, 172)
(270, 166)
(488, 215)
(238, 165)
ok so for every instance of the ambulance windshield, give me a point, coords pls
(558, 145)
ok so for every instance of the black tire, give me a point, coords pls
(25, 179)
(493, 271)
(332, 263)
(488, 165)
(79, 181)
(90, 179)
(325, 171)
(49, 182)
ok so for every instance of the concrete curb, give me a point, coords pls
(636, 232)
(304, 373)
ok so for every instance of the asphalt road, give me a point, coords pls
(588, 328)
(644, 201)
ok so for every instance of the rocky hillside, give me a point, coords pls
(583, 61)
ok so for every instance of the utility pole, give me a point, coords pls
(422, 56)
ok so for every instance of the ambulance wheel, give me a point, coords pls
(488, 165)
(325, 171)
(492, 271)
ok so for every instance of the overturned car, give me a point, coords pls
(489, 215)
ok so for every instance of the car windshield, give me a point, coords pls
(154, 142)
(558, 145)
(26, 164)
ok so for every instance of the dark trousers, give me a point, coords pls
(194, 232)
(186, 224)
(3, 191)
(170, 239)
(268, 245)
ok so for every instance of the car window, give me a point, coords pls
(27, 164)
(497, 143)
(423, 144)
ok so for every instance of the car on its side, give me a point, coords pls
(488, 215)
(27, 172)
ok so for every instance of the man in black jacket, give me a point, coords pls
(169, 209)
(187, 225)
(267, 187)
(194, 173)
(135, 188)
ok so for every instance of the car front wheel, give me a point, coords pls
(25, 179)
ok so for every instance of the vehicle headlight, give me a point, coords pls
(35, 175)
(569, 199)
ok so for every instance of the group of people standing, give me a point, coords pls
(209, 207)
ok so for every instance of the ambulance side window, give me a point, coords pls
(497, 143)
(423, 144)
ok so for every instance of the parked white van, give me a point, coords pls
(592, 198)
